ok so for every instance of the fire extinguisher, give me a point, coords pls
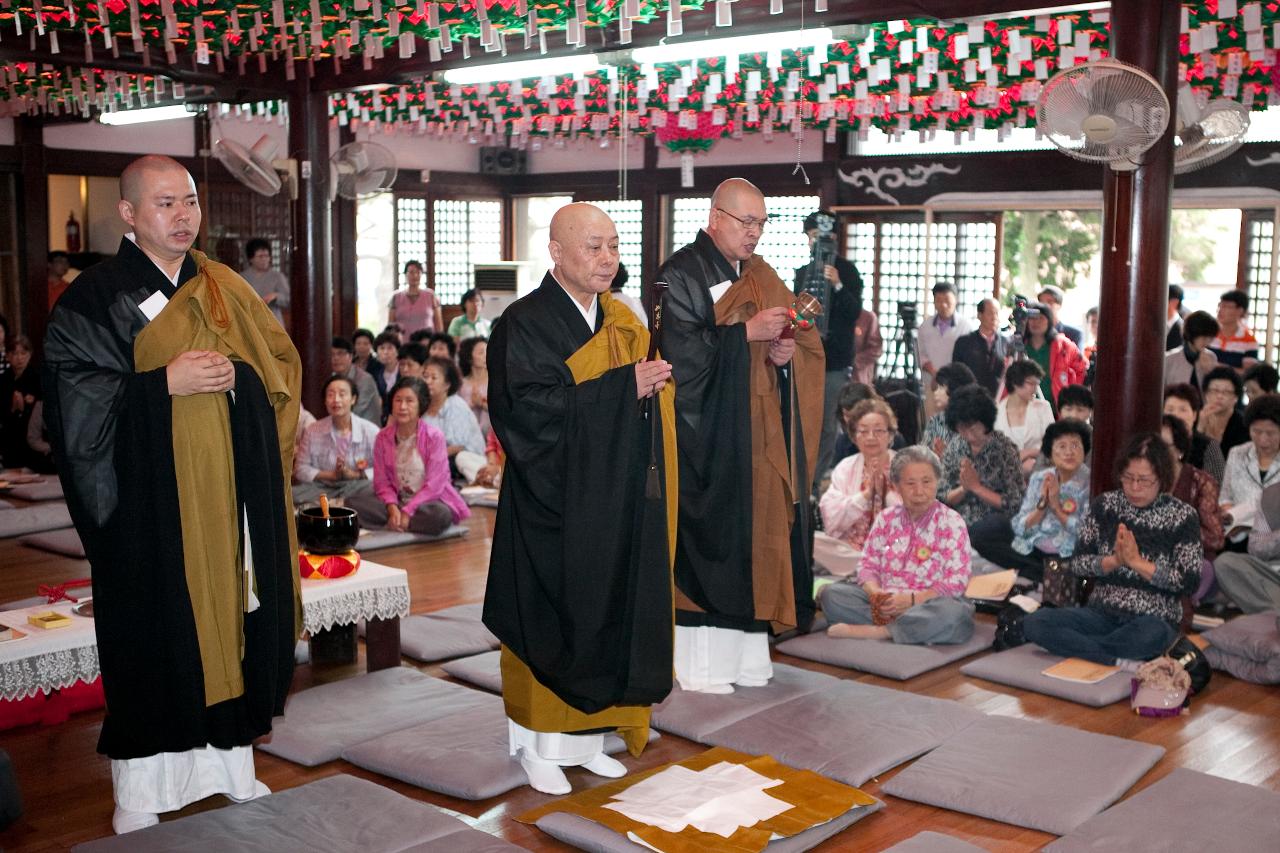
(73, 233)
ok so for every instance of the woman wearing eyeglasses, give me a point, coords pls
(860, 487)
(1141, 546)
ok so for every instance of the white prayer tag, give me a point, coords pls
(153, 305)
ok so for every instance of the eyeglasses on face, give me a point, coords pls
(1135, 480)
(748, 222)
(870, 433)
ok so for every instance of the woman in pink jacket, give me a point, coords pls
(411, 487)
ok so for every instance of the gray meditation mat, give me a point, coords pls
(1248, 647)
(885, 657)
(584, 834)
(1185, 812)
(334, 815)
(371, 539)
(1027, 773)
(450, 633)
(6, 504)
(49, 490)
(696, 715)
(932, 842)
(34, 519)
(320, 722)
(1023, 667)
(65, 541)
(847, 731)
(483, 670)
(464, 754)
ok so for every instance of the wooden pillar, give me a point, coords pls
(311, 282)
(34, 199)
(1135, 252)
(345, 294)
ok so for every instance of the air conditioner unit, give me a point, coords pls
(503, 282)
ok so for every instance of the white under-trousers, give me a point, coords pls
(712, 657)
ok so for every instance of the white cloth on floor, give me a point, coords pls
(720, 799)
(709, 657)
(170, 780)
(554, 747)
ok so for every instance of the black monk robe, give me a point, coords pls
(112, 433)
(579, 578)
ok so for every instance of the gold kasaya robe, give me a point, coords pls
(220, 312)
(621, 340)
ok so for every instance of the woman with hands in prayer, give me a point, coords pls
(914, 568)
(335, 455)
(982, 475)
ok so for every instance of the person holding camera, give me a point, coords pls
(936, 340)
(835, 282)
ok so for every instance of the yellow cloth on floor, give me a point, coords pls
(220, 312)
(815, 801)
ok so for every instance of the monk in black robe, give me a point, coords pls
(172, 400)
(748, 418)
(579, 586)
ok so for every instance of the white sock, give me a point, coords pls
(1128, 664)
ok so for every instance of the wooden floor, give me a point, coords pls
(1233, 730)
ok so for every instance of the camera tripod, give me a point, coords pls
(902, 359)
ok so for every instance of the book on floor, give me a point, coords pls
(991, 587)
(1079, 671)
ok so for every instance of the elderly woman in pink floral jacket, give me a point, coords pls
(915, 566)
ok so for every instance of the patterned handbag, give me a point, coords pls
(1061, 586)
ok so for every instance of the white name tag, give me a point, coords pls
(717, 290)
(153, 305)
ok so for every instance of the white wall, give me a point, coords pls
(175, 138)
(750, 150)
(6, 131)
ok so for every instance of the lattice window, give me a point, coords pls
(467, 232)
(783, 243)
(964, 253)
(628, 217)
(1257, 268)
(899, 278)
(236, 215)
(411, 234)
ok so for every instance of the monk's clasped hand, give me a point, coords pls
(200, 372)
(651, 376)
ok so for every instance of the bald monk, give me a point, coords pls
(172, 396)
(579, 587)
(748, 418)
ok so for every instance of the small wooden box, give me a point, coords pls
(50, 619)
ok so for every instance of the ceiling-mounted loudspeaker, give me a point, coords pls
(503, 161)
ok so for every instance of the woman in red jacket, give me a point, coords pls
(1061, 362)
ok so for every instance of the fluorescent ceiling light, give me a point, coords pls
(498, 72)
(732, 46)
(172, 111)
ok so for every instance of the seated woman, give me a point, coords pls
(949, 379)
(851, 395)
(981, 475)
(1197, 490)
(1251, 467)
(450, 414)
(860, 487)
(411, 487)
(335, 455)
(914, 569)
(1142, 549)
(1021, 415)
(472, 362)
(1184, 402)
(1252, 580)
(1052, 509)
(1220, 419)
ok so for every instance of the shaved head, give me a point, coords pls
(139, 174)
(158, 202)
(736, 221)
(584, 249)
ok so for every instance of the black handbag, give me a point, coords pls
(1061, 586)
(1189, 656)
(1009, 628)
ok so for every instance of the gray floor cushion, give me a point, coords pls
(1026, 773)
(883, 657)
(442, 635)
(6, 504)
(49, 490)
(1248, 647)
(338, 814)
(932, 842)
(372, 539)
(463, 754)
(696, 715)
(320, 722)
(481, 670)
(585, 834)
(65, 541)
(34, 519)
(847, 731)
(1184, 812)
(1022, 667)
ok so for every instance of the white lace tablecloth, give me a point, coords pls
(375, 591)
(46, 659)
